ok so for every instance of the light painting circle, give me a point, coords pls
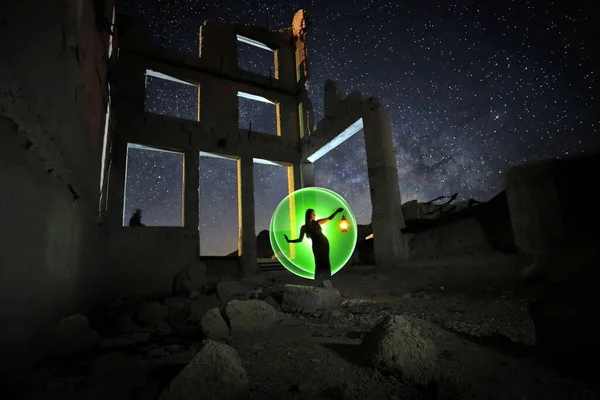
(288, 218)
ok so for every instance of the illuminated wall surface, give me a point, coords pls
(288, 218)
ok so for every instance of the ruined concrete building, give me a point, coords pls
(221, 82)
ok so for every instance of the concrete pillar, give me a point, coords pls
(128, 92)
(295, 177)
(218, 106)
(191, 213)
(308, 174)
(288, 120)
(305, 112)
(116, 183)
(218, 47)
(285, 61)
(247, 234)
(385, 190)
(128, 89)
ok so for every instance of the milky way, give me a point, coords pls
(473, 87)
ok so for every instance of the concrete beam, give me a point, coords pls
(179, 135)
(308, 174)
(191, 179)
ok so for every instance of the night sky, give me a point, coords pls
(473, 87)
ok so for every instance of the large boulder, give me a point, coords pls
(114, 366)
(309, 299)
(215, 372)
(250, 315)
(234, 289)
(75, 335)
(192, 278)
(124, 324)
(213, 325)
(151, 314)
(399, 346)
(198, 306)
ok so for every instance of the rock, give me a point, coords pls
(125, 324)
(175, 348)
(75, 335)
(152, 313)
(398, 346)
(175, 303)
(190, 279)
(229, 290)
(406, 296)
(309, 299)
(157, 352)
(193, 294)
(273, 303)
(337, 314)
(263, 245)
(255, 294)
(215, 372)
(250, 315)
(200, 305)
(178, 308)
(108, 364)
(129, 339)
(213, 325)
(110, 390)
(257, 280)
(162, 328)
(327, 284)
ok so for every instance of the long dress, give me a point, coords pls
(320, 247)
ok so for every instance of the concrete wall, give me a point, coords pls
(553, 201)
(52, 87)
(485, 228)
(145, 261)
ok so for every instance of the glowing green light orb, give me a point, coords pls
(288, 218)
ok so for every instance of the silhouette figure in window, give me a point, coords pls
(136, 219)
(320, 245)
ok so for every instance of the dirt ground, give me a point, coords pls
(484, 347)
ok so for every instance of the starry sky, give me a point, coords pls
(473, 87)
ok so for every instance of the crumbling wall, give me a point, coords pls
(52, 87)
(484, 228)
(552, 201)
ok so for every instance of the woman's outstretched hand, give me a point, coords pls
(286, 238)
(340, 210)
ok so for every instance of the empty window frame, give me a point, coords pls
(258, 114)
(154, 185)
(271, 186)
(218, 208)
(257, 57)
(342, 167)
(172, 97)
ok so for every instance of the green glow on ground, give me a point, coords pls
(298, 257)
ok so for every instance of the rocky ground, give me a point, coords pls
(457, 347)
